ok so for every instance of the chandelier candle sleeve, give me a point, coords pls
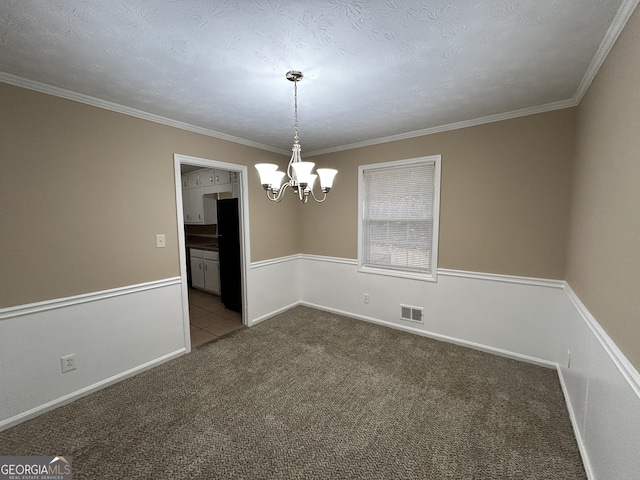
(301, 176)
(302, 172)
(276, 180)
(266, 170)
(326, 177)
(312, 181)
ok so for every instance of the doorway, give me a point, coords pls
(213, 272)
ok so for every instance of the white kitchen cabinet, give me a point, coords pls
(201, 190)
(186, 206)
(197, 272)
(212, 276)
(210, 177)
(196, 209)
(194, 179)
(205, 270)
(235, 185)
(210, 208)
(222, 177)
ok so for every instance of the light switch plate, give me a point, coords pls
(160, 241)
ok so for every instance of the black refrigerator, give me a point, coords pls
(229, 254)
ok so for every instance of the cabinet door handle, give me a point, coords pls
(211, 179)
(205, 267)
(217, 178)
(200, 266)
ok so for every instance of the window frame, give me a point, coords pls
(436, 160)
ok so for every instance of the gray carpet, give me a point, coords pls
(309, 394)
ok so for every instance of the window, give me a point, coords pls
(399, 206)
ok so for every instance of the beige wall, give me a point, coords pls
(84, 191)
(603, 266)
(505, 195)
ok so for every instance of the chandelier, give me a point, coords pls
(301, 178)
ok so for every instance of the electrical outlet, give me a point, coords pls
(365, 298)
(68, 363)
(160, 240)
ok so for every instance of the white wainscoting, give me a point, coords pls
(510, 316)
(113, 334)
(529, 319)
(273, 286)
(120, 332)
(602, 390)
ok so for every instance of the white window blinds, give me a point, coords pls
(398, 217)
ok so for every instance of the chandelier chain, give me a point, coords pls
(295, 90)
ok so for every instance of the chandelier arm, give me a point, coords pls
(282, 190)
(271, 196)
(289, 167)
(277, 197)
(316, 198)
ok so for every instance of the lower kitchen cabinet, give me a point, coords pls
(205, 270)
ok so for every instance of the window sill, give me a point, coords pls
(424, 277)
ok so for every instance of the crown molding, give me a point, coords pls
(548, 107)
(615, 29)
(115, 107)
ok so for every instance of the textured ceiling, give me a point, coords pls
(372, 68)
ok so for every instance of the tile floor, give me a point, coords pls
(209, 319)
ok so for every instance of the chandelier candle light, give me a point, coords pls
(301, 178)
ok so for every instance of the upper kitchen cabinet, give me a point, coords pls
(194, 179)
(200, 192)
(235, 184)
(210, 177)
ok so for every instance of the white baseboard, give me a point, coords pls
(544, 320)
(576, 427)
(267, 316)
(436, 336)
(70, 397)
(112, 333)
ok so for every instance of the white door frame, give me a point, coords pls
(178, 160)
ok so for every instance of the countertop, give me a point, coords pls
(203, 246)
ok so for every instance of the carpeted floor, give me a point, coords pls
(310, 394)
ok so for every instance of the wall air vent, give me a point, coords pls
(412, 314)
